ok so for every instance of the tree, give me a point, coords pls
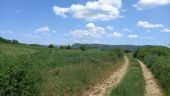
(127, 51)
(62, 47)
(15, 41)
(68, 47)
(8, 41)
(51, 46)
(83, 48)
(2, 39)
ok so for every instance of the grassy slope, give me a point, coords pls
(26, 70)
(133, 84)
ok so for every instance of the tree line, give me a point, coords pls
(8, 41)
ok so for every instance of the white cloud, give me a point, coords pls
(145, 4)
(43, 29)
(115, 34)
(60, 11)
(92, 10)
(166, 30)
(133, 36)
(127, 30)
(146, 24)
(90, 30)
(109, 28)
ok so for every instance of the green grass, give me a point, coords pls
(133, 84)
(33, 71)
(158, 60)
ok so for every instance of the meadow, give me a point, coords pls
(34, 70)
(158, 60)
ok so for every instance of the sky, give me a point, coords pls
(62, 22)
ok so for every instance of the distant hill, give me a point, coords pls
(104, 46)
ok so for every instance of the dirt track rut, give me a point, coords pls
(105, 88)
(152, 88)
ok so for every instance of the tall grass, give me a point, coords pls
(158, 60)
(133, 84)
(33, 71)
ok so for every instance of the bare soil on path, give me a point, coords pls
(152, 88)
(104, 88)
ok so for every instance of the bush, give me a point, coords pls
(83, 48)
(15, 41)
(15, 81)
(9, 41)
(62, 47)
(51, 46)
(127, 51)
(68, 47)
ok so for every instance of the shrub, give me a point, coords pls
(51, 46)
(15, 81)
(83, 48)
(15, 41)
(68, 47)
(62, 47)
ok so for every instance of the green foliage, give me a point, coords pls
(119, 52)
(8, 41)
(127, 51)
(33, 71)
(62, 47)
(158, 60)
(83, 48)
(68, 47)
(51, 46)
(133, 84)
(17, 78)
(15, 41)
(36, 45)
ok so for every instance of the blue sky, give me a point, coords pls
(136, 22)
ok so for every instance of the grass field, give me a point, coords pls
(33, 71)
(133, 84)
(158, 60)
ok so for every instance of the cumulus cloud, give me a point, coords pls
(115, 34)
(145, 4)
(90, 31)
(146, 24)
(43, 29)
(60, 11)
(92, 10)
(109, 28)
(133, 36)
(166, 30)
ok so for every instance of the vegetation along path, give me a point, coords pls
(152, 88)
(105, 88)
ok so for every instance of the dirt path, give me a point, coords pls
(152, 88)
(106, 87)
